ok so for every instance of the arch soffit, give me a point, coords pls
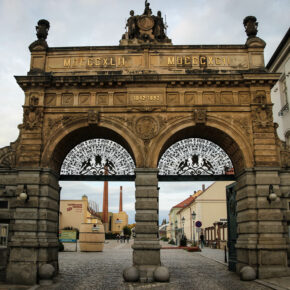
(128, 140)
(238, 136)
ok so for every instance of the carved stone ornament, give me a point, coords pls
(41, 33)
(145, 28)
(146, 127)
(251, 25)
(42, 29)
(7, 157)
(93, 117)
(199, 116)
(33, 117)
(262, 117)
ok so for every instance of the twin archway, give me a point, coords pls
(145, 153)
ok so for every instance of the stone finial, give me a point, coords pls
(251, 25)
(41, 33)
(42, 29)
(146, 28)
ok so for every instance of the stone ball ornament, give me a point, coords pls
(248, 273)
(45, 274)
(161, 274)
(131, 274)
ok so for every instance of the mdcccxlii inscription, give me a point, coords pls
(128, 61)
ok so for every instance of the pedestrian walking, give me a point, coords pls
(128, 238)
(201, 240)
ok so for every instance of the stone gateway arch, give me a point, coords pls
(146, 94)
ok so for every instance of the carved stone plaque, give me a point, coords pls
(146, 127)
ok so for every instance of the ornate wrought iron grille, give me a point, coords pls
(98, 157)
(195, 156)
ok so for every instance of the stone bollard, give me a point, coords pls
(131, 274)
(161, 274)
(45, 273)
(247, 273)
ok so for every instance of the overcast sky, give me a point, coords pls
(102, 22)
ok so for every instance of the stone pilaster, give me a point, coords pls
(146, 247)
(261, 242)
(34, 239)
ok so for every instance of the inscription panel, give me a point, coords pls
(145, 99)
(122, 61)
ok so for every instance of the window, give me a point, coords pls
(3, 235)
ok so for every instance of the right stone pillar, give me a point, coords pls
(261, 241)
(146, 247)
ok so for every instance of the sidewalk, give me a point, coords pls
(218, 255)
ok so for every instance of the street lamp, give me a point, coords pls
(193, 215)
(183, 220)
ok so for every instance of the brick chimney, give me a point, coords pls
(121, 199)
(203, 187)
(105, 214)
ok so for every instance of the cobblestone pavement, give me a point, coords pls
(189, 271)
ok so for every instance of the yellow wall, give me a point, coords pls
(119, 220)
(74, 212)
(209, 207)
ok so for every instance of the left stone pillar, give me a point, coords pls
(146, 247)
(34, 239)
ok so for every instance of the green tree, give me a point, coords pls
(126, 231)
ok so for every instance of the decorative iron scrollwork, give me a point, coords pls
(195, 156)
(98, 157)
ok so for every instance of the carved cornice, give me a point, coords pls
(190, 79)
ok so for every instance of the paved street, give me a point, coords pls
(104, 271)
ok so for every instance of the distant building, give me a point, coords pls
(75, 212)
(280, 93)
(209, 206)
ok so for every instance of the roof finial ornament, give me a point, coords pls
(41, 33)
(145, 28)
(251, 26)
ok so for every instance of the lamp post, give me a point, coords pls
(183, 220)
(176, 232)
(193, 215)
(171, 225)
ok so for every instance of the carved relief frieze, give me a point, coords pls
(190, 98)
(209, 98)
(67, 99)
(120, 99)
(199, 116)
(147, 127)
(103, 99)
(262, 118)
(227, 98)
(243, 123)
(93, 117)
(244, 98)
(7, 157)
(84, 99)
(33, 115)
(173, 99)
(260, 98)
(50, 100)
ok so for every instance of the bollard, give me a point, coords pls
(226, 259)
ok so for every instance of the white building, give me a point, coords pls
(280, 93)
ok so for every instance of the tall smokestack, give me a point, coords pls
(105, 203)
(121, 199)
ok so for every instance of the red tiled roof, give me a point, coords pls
(185, 202)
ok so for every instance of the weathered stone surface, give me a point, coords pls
(46, 272)
(161, 274)
(247, 273)
(131, 274)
